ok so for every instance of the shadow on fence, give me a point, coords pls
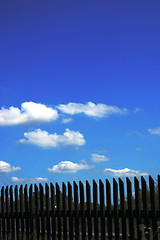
(48, 213)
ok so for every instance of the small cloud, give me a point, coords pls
(67, 166)
(155, 131)
(67, 120)
(137, 110)
(6, 167)
(91, 109)
(98, 158)
(29, 180)
(45, 140)
(40, 179)
(16, 179)
(138, 133)
(139, 149)
(29, 113)
(126, 172)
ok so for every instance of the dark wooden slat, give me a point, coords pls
(145, 206)
(89, 218)
(21, 210)
(26, 211)
(7, 211)
(53, 211)
(31, 210)
(159, 191)
(82, 210)
(95, 209)
(12, 213)
(64, 211)
(130, 208)
(3, 213)
(102, 209)
(153, 208)
(137, 205)
(77, 237)
(1, 237)
(42, 211)
(122, 205)
(115, 204)
(58, 211)
(109, 208)
(70, 208)
(47, 211)
(37, 211)
(17, 211)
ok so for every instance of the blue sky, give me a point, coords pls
(79, 92)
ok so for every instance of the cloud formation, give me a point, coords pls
(30, 180)
(29, 113)
(6, 167)
(44, 139)
(98, 158)
(32, 113)
(67, 166)
(126, 172)
(67, 120)
(91, 109)
(137, 110)
(155, 131)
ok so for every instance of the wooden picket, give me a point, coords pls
(46, 212)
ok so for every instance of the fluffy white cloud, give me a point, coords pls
(67, 166)
(126, 172)
(154, 131)
(16, 179)
(46, 140)
(30, 180)
(30, 112)
(40, 179)
(98, 158)
(6, 167)
(91, 109)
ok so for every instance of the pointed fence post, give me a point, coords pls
(70, 209)
(76, 209)
(123, 212)
(102, 209)
(116, 212)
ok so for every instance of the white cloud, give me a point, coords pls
(126, 172)
(30, 112)
(40, 179)
(67, 166)
(137, 110)
(6, 167)
(154, 131)
(16, 179)
(91, 109)
(46, 140)
(30, 180)
(98, 158)
(67, 120)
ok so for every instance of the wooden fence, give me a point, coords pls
(49, 213)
